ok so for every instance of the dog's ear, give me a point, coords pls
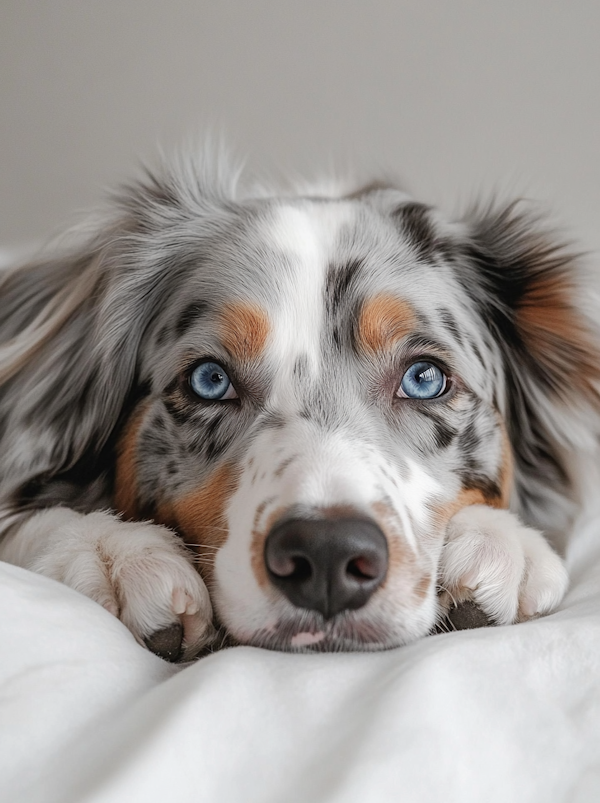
(71, 325)
(529, 288)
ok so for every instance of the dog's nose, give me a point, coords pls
(327, 565)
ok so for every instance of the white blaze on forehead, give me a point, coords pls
(307, 237)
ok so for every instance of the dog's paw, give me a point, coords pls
(508, 570)
(141, 573)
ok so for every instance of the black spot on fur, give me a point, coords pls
(214, 449)
(469, 443)
(190, 315)
(479, 482)
(415, 221)
(213, 425)
(300, 367)
(476, 352)
(154, 447)
(178, 415)
(338, 283)
(443, 433)
(214, 438)
(338, 301)
(447, 249)
(158, 424)
(451, 324)
(25, 496)
(85, 487)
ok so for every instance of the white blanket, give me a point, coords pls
(498, 714)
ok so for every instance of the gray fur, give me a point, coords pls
(88, 331)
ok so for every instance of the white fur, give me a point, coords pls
(508, 569)
(327, 470)
(305, 237)
(139, 572)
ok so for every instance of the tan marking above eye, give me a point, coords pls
(244, 329)
(385, 319)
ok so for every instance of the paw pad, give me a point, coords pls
(167, 642)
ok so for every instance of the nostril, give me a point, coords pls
(302, 569)
(363, 568)
(290, 567)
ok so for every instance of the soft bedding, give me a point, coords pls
(498, 714)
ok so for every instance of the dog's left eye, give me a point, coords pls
(210, 381)
(423, 380)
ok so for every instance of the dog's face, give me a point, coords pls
(323, 397)
(306, 388)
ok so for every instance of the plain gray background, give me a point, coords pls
(457, 98)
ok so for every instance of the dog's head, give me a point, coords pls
(307, 389)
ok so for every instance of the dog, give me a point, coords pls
(324, 416)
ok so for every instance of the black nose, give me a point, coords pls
(327, 565)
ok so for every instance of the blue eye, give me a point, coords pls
(423, 380)
(209, 381)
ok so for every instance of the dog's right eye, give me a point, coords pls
(209, 381)
(422, 380)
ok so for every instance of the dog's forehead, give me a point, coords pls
(301, 246)
(297, 260)
(289, 281)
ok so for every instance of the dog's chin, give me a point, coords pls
(310, 632)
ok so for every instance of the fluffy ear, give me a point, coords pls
(71, 326)
(529, 288)
(63, 384)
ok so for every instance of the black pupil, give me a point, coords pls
(216, 377)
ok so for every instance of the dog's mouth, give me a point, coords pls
(310, 632)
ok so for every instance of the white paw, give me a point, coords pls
(141, 573)
(509, 570)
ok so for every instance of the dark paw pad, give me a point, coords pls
(465, 616)
(166, 642)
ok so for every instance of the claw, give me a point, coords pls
(184, 603)
(180, 601)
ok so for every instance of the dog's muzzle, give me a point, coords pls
(327, 565)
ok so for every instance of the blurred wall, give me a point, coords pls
(456, 97)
